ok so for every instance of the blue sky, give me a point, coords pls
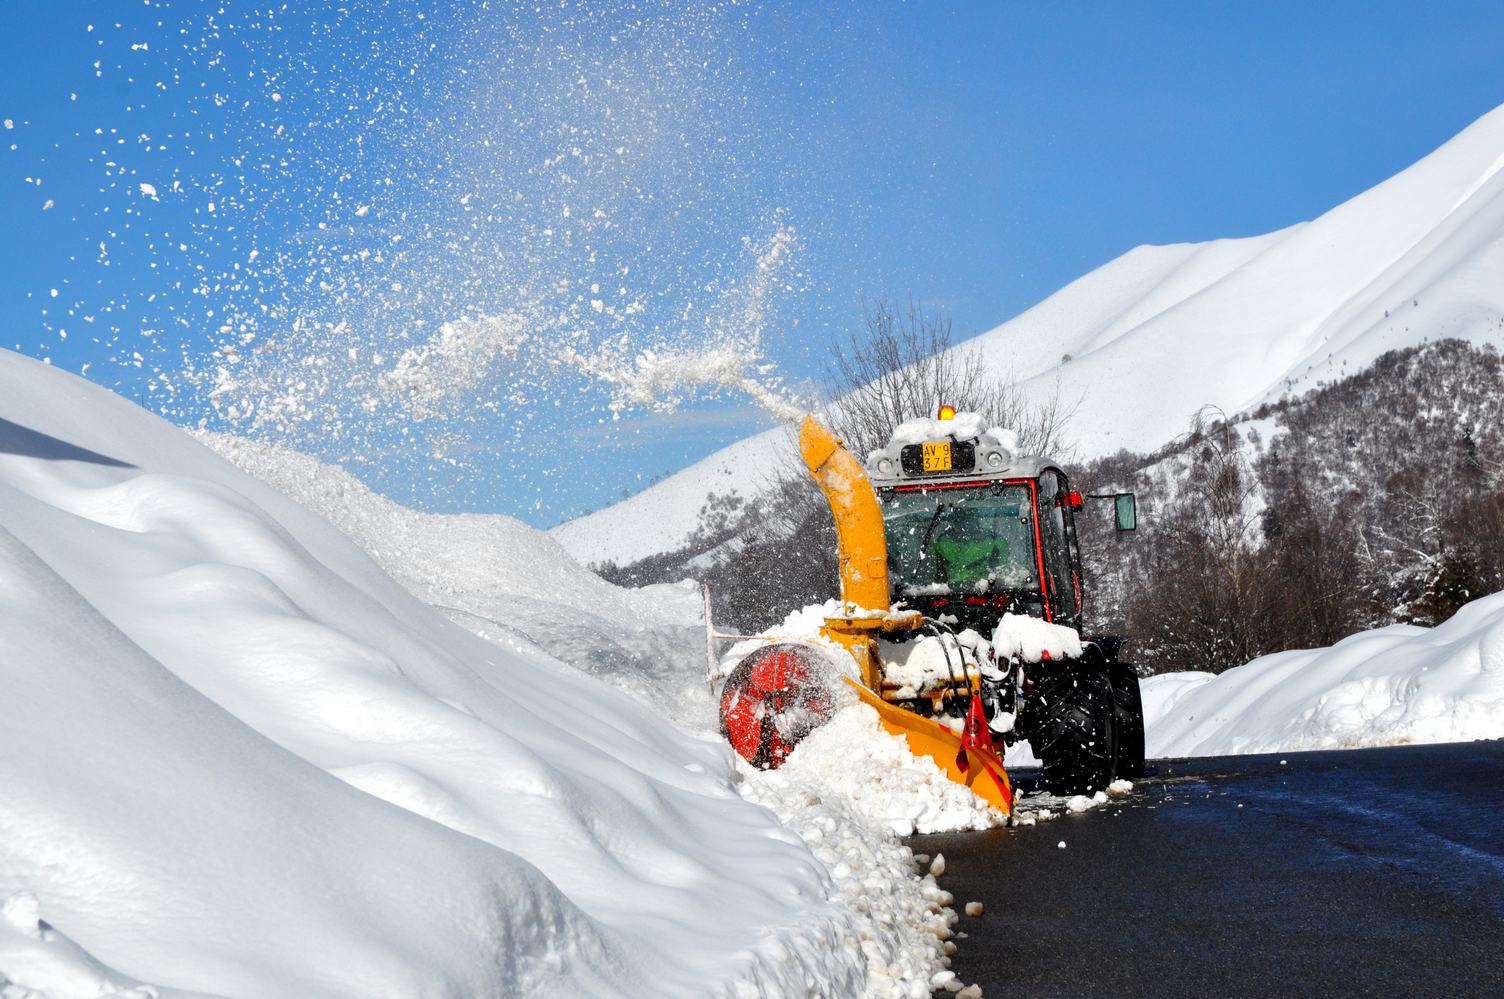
(373, 174)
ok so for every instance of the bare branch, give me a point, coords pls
(902, 364)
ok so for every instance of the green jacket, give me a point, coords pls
(969, 561)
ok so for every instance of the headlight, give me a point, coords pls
(994, 459)
(885, 466)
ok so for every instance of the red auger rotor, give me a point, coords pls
(774, 698)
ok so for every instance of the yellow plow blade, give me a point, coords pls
(982, 771)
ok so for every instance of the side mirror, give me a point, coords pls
(1126, 508)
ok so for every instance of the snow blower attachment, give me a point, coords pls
(982, 544)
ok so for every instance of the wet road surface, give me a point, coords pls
(1359, 872)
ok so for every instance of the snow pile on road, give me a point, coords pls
(240, 759)
(1389, 686)
(852, 759)
(903, 916)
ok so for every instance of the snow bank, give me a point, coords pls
(41, 963)
(240, 759)
(1394, 685)
(506, 581)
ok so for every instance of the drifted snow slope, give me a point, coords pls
(506, 581)
(1390, 686)
(1231, 323)
(239, 759)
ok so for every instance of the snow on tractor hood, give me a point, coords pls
(1030, 638)
(961, 427)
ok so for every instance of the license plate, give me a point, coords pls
(937, 457)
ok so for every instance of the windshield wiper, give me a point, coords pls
(929, 532)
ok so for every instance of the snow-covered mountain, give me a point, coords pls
(1144, 341)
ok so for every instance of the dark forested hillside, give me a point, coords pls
(1373, 500)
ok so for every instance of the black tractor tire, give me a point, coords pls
(1128, 711)
(1072, 730)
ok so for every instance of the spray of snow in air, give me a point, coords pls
(728, 356)
(425, 237)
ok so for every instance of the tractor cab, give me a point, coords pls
(975, 531)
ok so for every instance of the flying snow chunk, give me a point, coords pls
(276, 98)
(149, 190)
(23, 912)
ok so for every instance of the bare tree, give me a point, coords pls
(902, 364)
(1205, 601)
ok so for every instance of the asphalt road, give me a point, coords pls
(1360, 872)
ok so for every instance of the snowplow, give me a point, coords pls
(960, 611)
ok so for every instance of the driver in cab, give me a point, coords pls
(967, 551)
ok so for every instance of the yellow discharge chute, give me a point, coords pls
(966, 757)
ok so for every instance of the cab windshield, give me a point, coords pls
(960, 541)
